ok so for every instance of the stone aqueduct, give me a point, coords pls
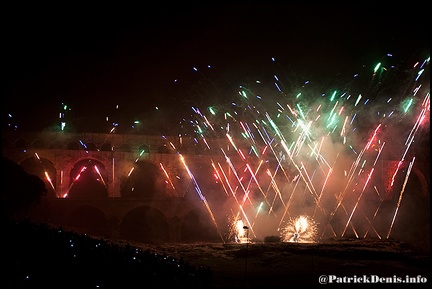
(116, 155)
(170, 215)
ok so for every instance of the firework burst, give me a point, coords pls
(301, 229)
(296, 152)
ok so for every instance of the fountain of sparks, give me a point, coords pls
(301, 229)
(300, 153)
(240, 232)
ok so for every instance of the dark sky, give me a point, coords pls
(142, 57)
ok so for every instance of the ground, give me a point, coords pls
(284, 265)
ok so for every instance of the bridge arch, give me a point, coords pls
(106, 146)
(88, 179)
(91, 146)
(407, 205)
(196, 226)
(145, 180)
(144, 148)
(88, 219)
(144, 224)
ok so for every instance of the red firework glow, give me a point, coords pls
(289, 156)
(300, 164)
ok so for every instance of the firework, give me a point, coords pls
(304, 160)
(301, 229)
(314, 155)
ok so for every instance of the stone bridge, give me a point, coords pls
(144, 190)
(166, 207)
(63, 155)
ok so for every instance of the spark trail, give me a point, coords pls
(318, 155)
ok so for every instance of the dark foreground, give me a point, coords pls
(37, 256)
(294, 265)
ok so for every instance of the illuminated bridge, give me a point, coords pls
(139, 187)
(120, 186)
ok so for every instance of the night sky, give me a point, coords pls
(153, 63)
